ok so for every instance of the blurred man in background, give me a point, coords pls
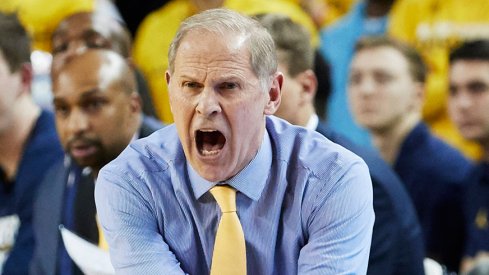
(386, 87)
(28, 147)
(397, 242)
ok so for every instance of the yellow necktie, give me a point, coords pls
(229, 255)
(102, 243)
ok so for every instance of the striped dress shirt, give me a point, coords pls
(305, 205)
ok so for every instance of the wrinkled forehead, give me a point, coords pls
(232, 40)
(213, 45)
(382, 57)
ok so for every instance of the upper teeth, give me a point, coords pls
(209, 153)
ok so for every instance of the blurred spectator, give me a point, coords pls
(81, 31)
(397, 242)
(98, 112)
(386, 86)
(40, 17)
(28, 147)
(158, 28)
(434, 27)
(367, 18)
(468, 104)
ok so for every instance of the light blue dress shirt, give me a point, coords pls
(305, 205)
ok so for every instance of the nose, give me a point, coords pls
(366, 86)
(75, 47)
(463, 100)
(78, 123)
(208, 103)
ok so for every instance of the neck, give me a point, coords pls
(304, 116)
(378, 8)
(389, 141)
(14, 135)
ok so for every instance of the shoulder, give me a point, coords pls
(53, 180)
(448, 156)
(45, 132)
(46, 124)
(299, 147)
(389, 192)
(444, 163)
(154, 153)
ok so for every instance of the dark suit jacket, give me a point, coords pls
(49, 205)
(397, 243)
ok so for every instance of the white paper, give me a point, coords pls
(88, 257)
(9, 227)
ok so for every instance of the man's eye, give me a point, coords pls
(191, 85)
(59, 48)
(228, 86)
(354, 80)
(94, 106)
(61, 111)
(476, 88)
(382, 78)
(97, 43)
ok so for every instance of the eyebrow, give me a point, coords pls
(58, 33)
(84, 95)
(85, 34)
(90, 93)
(90, 32)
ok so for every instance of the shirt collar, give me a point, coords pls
(249, 181)
(313, 122)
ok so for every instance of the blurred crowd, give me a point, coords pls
(406, 80)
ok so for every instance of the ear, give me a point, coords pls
(274, 94)
(309, 83)
(27, 75)
(131, 64)
(419, 95)
(136, 104)
(168, 77)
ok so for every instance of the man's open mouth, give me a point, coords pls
(209, 142)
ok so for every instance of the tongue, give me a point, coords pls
(210, 147)
(212, 141)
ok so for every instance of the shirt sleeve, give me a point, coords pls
(339, 227)
(128, 219)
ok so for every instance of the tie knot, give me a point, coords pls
(225, 196)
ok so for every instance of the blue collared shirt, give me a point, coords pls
(305, 205)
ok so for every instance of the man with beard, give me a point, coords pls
(88, 30)
(98, 112)
(468, 105)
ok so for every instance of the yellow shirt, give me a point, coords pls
(325, 12)
(435, 27)
(158, 29)
(41, 17)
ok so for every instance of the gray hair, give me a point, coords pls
(263, 56)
